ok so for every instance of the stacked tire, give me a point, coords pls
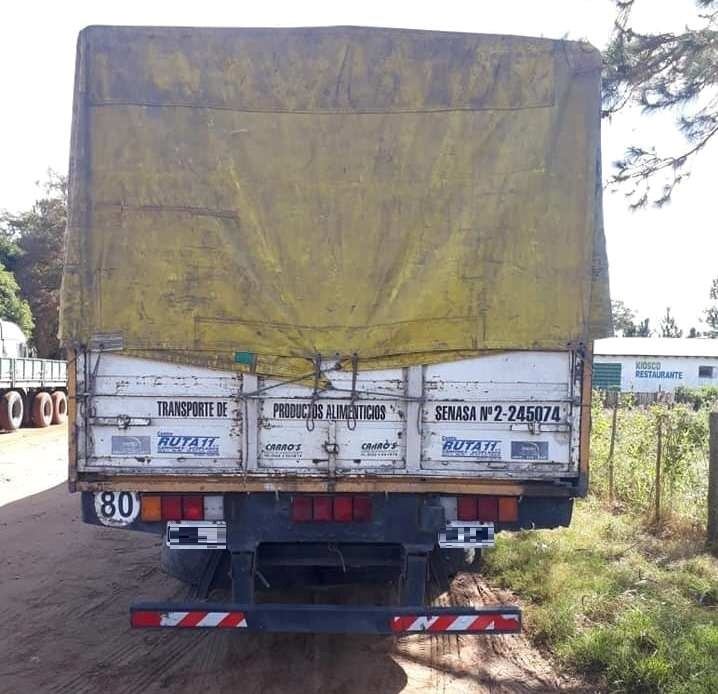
(40, 410)
(12, 409)
(59, 407)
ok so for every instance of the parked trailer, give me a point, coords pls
(32, 391)
(330, 296)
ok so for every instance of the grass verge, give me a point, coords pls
(636, 611)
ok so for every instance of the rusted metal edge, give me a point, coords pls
(179, 483)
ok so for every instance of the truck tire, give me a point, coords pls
(42, 410)
(11, 411)
(59, 407)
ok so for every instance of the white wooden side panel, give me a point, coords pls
(503, 416)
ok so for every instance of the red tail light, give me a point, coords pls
(192, 507)
(488, 508)
(301, 509)
(362, 509)
(343, 512)
(466, 508)
(172, 508)
(323, 508)
(342, 508)
(178, 507)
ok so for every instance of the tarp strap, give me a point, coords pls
(317, 362)
(351, 412)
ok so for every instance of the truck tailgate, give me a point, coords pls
(502, 416)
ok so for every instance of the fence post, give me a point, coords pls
(713, 484)
(611, 448)
(659, 451)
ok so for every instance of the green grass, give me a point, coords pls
(637, 612)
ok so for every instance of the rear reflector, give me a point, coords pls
(329, 619)
(150, 508)
(192, 508)
(195, 619)
(145, 618)
(503, 622)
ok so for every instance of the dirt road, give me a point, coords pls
(65, 588)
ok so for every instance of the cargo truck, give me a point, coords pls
(330, 296)
(32, 391)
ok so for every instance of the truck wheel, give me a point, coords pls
(42, 410)
(59, 407)
(11, 410)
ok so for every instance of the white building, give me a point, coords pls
(652, 364)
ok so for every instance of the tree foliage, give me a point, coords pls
(663, 72)
(669, 327)
(624, 321)
(34, 253)
(640, 329)
(12, 306)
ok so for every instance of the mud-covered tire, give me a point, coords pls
(12, 408)
(42, 410)
(59, 407)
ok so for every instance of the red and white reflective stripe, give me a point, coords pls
(496, 622)
(189, 620)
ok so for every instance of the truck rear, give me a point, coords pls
(330, 296)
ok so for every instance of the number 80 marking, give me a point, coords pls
(117, 508)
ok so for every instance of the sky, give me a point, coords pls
(657, 258)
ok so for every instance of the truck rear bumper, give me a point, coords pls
(330, 619)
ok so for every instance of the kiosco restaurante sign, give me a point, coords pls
(652, 369)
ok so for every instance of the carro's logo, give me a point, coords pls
(380, 448)
(487, 449)
(187, 444)
(283, 450)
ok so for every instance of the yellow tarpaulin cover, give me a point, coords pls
(405, 196)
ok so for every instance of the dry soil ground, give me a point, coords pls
(65, 588)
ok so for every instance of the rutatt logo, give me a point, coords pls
(187, 444)
(452, 446)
